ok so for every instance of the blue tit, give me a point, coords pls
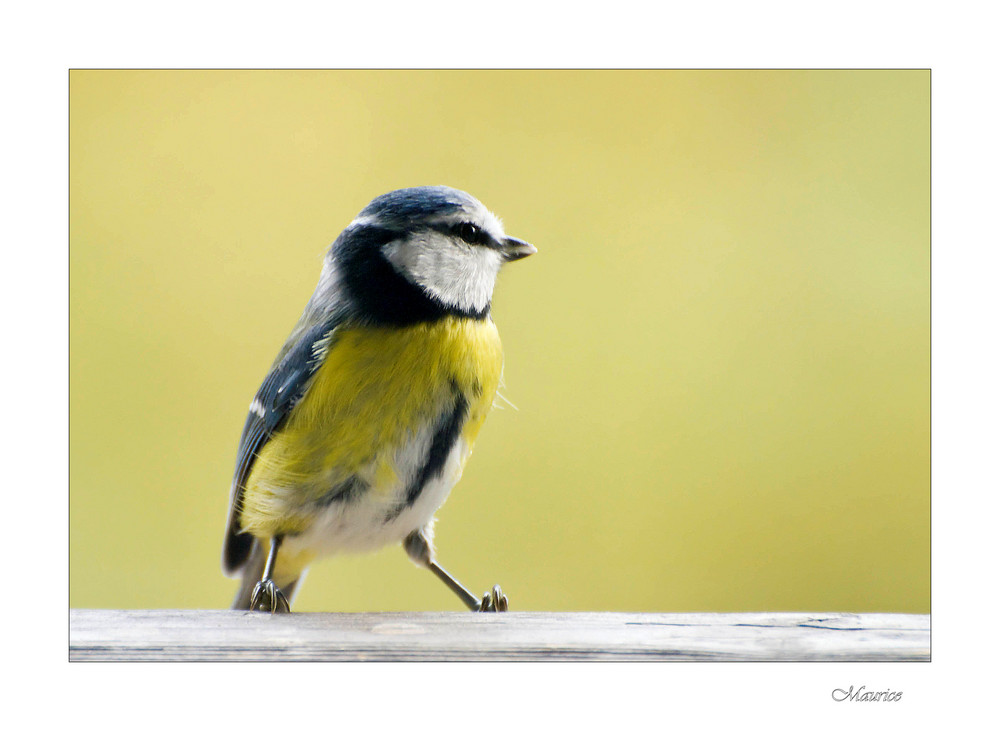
(367, 417)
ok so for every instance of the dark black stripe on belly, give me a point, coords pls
(445, 434)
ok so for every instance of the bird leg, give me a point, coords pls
(419, 549)
(266, 596)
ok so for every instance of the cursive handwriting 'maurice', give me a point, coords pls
(866, 696)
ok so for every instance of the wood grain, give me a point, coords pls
(225, 635)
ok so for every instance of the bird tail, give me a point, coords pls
(252, 571)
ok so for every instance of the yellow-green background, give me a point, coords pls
(719, 356)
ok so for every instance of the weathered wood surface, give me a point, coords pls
(225, 635)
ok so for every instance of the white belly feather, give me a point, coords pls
(361, 524)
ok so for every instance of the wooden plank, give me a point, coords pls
(225, 635)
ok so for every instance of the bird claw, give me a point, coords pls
(267, 597)
(493, 601)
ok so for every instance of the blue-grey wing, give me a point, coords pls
(281, 390)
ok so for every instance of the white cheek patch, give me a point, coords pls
(456, 273)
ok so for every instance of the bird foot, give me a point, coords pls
(493, 601)
(267, 597)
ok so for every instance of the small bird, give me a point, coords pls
(367, 417)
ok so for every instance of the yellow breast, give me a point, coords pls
(376, 389)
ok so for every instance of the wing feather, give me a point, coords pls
(281, 390)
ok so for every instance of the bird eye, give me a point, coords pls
(470, 233)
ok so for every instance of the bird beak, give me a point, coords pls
(514, 249)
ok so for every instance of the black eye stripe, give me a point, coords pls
(470, 234)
